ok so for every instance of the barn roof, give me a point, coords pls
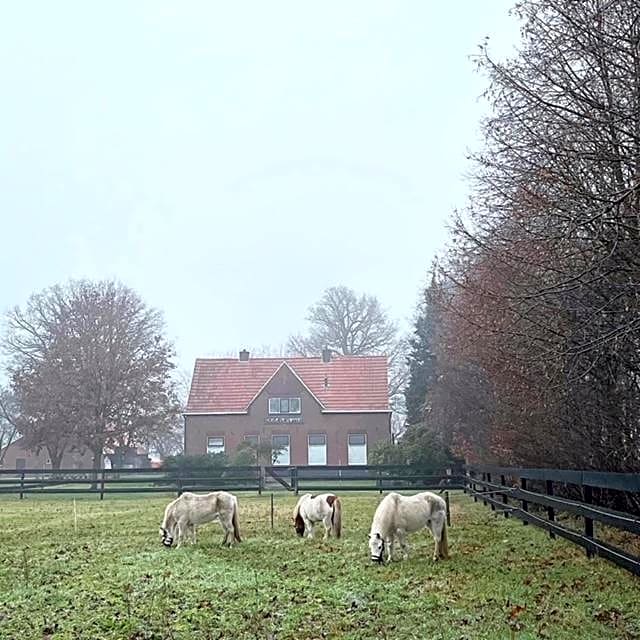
(228, 385)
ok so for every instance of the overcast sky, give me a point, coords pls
(231, 160)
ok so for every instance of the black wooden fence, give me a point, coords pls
(300, 478)
(112, 481)
(511, 491)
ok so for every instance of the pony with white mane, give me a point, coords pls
(398, 515)
(325, 508)
(183, 515)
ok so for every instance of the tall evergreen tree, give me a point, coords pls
(422, 356)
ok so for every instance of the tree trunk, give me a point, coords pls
(55, 455)
(97, 465)
(5, 445)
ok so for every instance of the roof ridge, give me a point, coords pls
(337, 356)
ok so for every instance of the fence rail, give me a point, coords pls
(512, 495)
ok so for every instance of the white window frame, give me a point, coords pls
(279, 411)
(279, 462)
(215, 449)
(316, 447)
(349, 449)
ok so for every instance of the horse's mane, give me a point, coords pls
(384, 515)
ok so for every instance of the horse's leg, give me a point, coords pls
(308, 525)
(227, 525)
(436, 524)
(225, 539)
(327, 526)
(402, 539)
(389, 542)
(183, 528)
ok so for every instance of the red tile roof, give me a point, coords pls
(227, 385)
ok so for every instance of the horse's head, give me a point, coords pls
(298, 523)
(167, 538)
(376, 546)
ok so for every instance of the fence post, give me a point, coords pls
(505, 499)
(588, 522)
(259, 470)
(21, 485)
(484, 488)
(473, 486)
(102, 475)
(525, 504)
(272, 510)
(493, 506)
(179, 485)
(294, 479)
(379, 480)
(446, 500)
(551, 512)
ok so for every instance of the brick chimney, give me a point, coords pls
(243, 356)
(326, 355)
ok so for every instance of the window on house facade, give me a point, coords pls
(317, 449)
(253, 440)
(284, 405)
(357, 448)
(215, 444)
(281, 446)
(21, 463)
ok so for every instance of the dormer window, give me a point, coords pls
(280, 406)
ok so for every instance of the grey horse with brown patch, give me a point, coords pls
(183, 515)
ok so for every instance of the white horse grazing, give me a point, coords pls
(311, 509)
(189, 510)
(398, 515)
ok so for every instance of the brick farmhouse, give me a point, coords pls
(328, 410)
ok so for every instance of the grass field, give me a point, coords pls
(111, 579)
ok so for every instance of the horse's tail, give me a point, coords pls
(336, 518)
(234, 520)
(443, 545)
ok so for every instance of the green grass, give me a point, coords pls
(112, 579)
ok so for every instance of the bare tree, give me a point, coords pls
(167, 439)
(544, 270)
(357, 325)
(89, 365)
(347, 324)
(8, 421)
